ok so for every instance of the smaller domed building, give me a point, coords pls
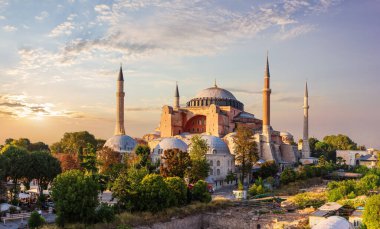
(165, 144)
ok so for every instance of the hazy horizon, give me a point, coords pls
(60, 60)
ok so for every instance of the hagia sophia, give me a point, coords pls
(214, 114)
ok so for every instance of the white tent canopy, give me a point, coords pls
(23, 195)
(5, 207)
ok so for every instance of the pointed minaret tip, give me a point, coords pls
(306, 91)
(215, 83)
(121, 77)
(176, 94)
(267, 73)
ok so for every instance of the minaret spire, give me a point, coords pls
(176, 97)
(266, 103)
(215, 83)
(119, 128)
(305, 138)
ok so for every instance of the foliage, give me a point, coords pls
(44, 168)
(104, 213)
(268, 168)
(354, 203)
(143, 152)
(361, 169)
(371, 212)
(87, 159)
(340, 142)
(288, 175)
(154, 193)
(256, 190)
(35, 220)
(75, 196)
(126, 187)
(199, 166)
(17, 161)
(107, 158)
(245, 150)
(175, 163)
(312, 142)
(230, 177)
(71, 143)
(240, 186)
(308, 199)
(325, 149)
(178, 191)
(200, 192)
(68, 161)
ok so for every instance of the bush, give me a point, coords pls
(35, 220)
(105, 213)
(288, 175)
(200, 192)
(154, 193)
(178, 191)
(308, 199)
(256, 190)
(371, 212)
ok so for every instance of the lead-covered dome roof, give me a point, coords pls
(215, 95)
(121, 143)
(216, 144)
(171, 143)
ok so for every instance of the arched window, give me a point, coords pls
(218, 172)
(218, 163)
(211, 162)
(258, 226)
(214, 151)
(211, 172)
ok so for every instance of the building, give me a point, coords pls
(120, 142)
(217, 112)
(356, 218)
(333, 222)
(325, 211)
(368, 158)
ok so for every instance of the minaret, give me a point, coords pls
(119, 128)
(176, 97)
(266, 104)
(305, 139)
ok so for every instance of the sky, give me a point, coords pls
(59, 62)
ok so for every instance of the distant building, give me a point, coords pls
(325, 211)
(367, 158)
(333, 222)
(356, 218)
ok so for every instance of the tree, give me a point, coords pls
(154, 193)
(175, 163)
(199, 166)
(178, 190)
(126, 187)
(87, 159)
(268, 168)
(68, 162)
(71, 143)
(288, 175)
(143, 152)
(340, 142)
(17, 159)
(312, 142)
(75, 196)
(35, 220)
(200, 192)
(107, 158)
(325, 149)
(38, 146)
(44, 168)
(245, 150)
(371, 212)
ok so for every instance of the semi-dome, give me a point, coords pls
(216, 144)
(121, 143)
(334, 222)
(170, 143)
(215, 95)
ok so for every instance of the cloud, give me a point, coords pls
(242, 91)
(2, 17)
(142, 108)
(42, 16)
(9, 28)
(62, 29)
(23, 106)
(295, 32)
(289, 99)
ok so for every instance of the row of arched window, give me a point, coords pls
(216, 101)
(212, 163)
(217, 172)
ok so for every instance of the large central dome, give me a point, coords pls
(215, 92)
(215, 95)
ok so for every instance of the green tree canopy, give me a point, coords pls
(199, 166)
(107, 158)
(154, 193)
(178, 191)
(198, 148)
(340, 142)
(73, 142)
(268, 168)
(372, 212)
(175, 163)
(245, 150)
(75, 196)
(200, 192)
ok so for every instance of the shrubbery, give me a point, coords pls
(35, 220)
(154, 193)
(308, 199)
(288, 175)
(104, 213)
(371, 212)
(200, 192)
(178, 191)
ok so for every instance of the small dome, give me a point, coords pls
(215, 92)
(285, 134)
(217, 145)
(171, 143)
(334, 222)
(121, 143)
